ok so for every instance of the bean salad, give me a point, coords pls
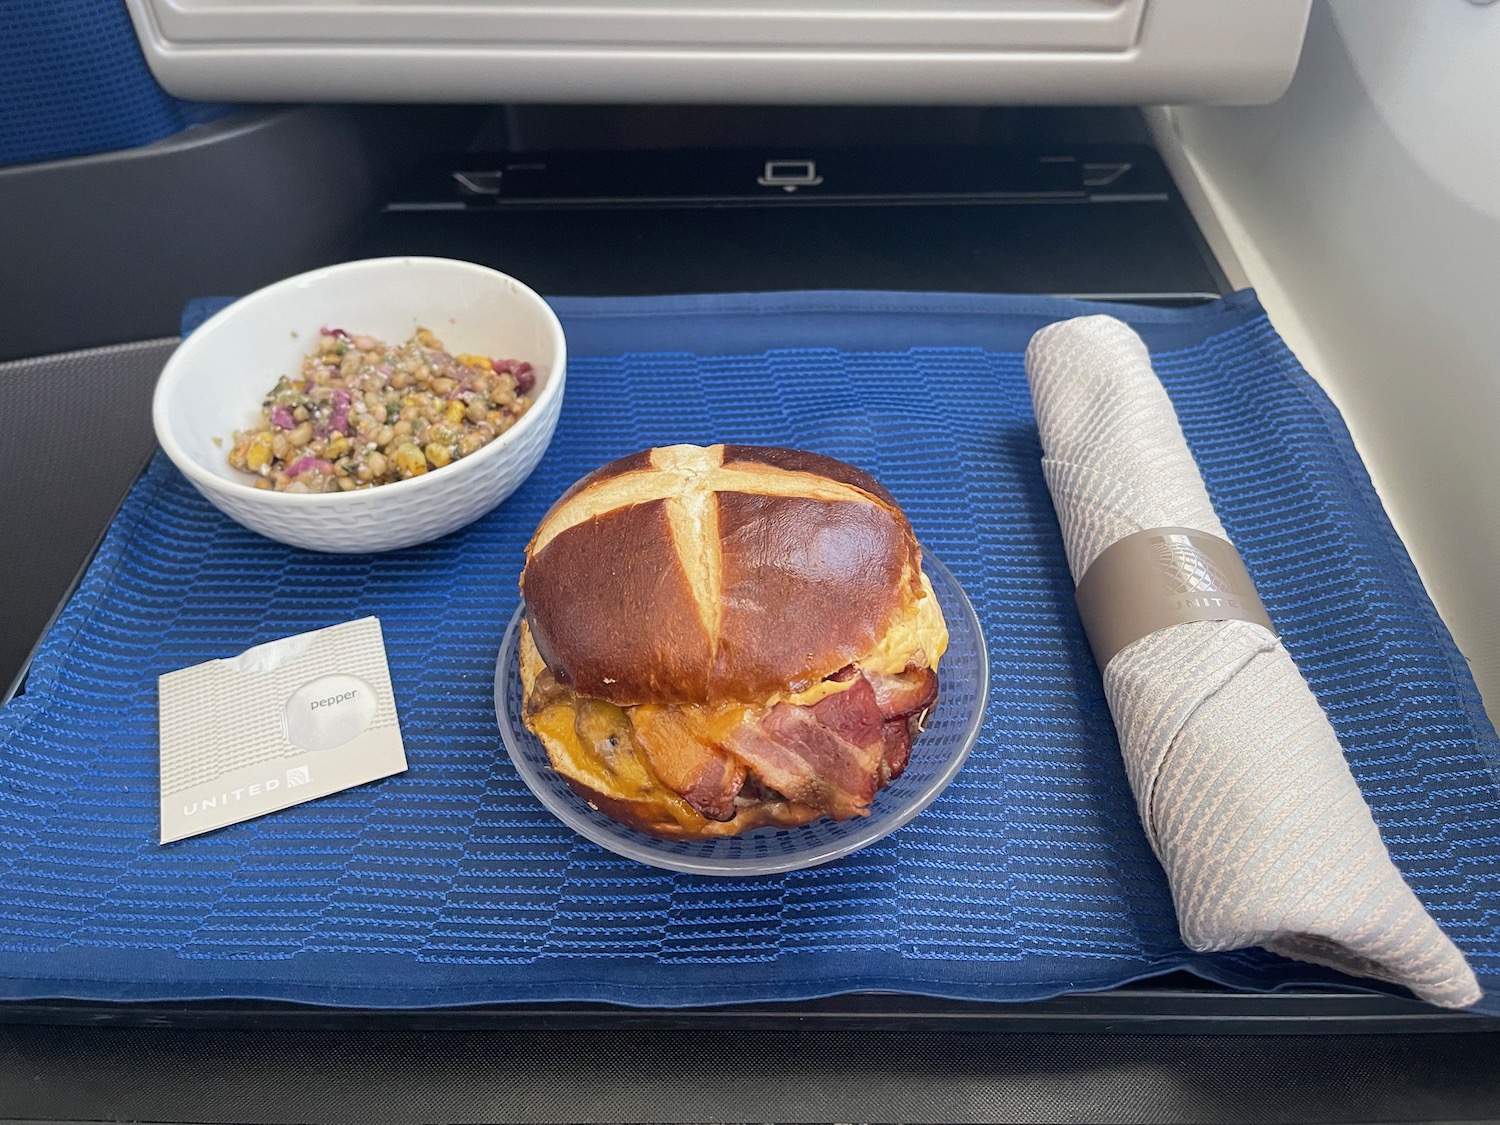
(363, 413)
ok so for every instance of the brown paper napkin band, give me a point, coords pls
(1161, 577)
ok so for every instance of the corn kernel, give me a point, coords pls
(337, 446)
(455, 412)
(259, 453)
(410, 461)
(439, 455)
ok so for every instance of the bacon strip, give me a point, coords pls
(903, 700)
(833, 756)
(713, 791)
(910, 693)
(897, 743)
(702, 775)
(828, 756)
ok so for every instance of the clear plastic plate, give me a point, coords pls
(952, 728)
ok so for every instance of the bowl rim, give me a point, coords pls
(172, 375)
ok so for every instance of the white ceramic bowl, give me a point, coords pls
(214, 383)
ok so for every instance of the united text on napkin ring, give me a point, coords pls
(1161, 577)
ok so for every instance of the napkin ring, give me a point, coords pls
(1161, 577)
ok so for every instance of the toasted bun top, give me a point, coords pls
(692, 575)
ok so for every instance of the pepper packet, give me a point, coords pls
(280, 724)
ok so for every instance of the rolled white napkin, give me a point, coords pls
(1239, 779)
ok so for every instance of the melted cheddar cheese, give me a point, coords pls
(621, 774)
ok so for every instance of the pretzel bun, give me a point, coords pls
(683, 602)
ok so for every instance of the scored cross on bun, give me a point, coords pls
(722, 638)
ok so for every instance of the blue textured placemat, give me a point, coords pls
(451, 884)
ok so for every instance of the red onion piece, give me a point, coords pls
(306, 464)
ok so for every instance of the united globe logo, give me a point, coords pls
(1185, 569)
